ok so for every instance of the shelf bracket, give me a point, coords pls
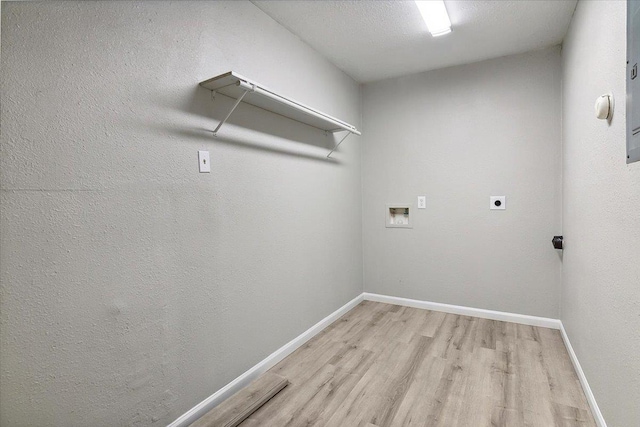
(235, 105)
(338, 144)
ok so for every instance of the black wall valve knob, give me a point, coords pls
(557, 242)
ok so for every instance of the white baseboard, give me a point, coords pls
(524, 319)
(243, 380)
(595, 410)
(275, 357)
(505, 317)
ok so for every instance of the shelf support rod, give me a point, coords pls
(338, 144)
(238, 101)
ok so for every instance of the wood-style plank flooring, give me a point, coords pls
(233, 411)
(385, 365)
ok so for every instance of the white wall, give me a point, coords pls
(133, 287)
(458, 136)
(601, 272)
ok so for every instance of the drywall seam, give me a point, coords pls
(595, 410)
(562, 177)
(362, 125)
(524, 319)
(261, 367)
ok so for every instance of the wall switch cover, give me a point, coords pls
(203, 160)
(498, 203)
(422, 202)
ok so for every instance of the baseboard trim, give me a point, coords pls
(243, 380)
(595, 410)
(524, 319)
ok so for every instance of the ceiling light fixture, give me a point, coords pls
(435, 16)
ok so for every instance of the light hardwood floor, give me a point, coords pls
(385, 365)
(233, 411)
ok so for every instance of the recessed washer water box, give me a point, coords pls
(398, 216)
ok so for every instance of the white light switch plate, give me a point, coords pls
(498, 203)
(203, 160)
(422, 202)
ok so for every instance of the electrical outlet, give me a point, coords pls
(422, 202)
(203, 160)
(498, 203)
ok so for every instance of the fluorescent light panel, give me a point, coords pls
(435, 16)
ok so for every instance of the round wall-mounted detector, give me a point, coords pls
(604, 107)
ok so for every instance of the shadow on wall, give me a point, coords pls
(248, 127)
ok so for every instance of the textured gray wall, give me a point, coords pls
(459, 135)
(133, 287)
(601, 272)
